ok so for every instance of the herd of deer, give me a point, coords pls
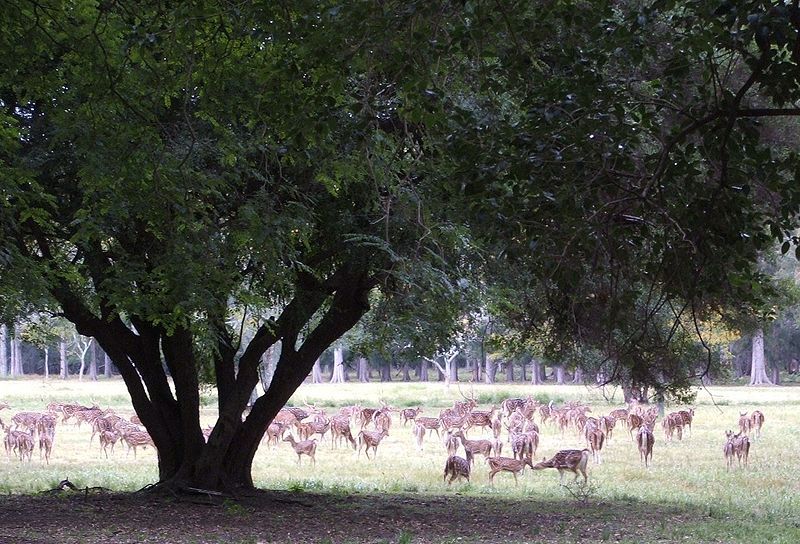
(517, 416)
(110, 428)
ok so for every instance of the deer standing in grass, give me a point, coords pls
(574, 461)
(645, 440)
(456, 467)
(741, 447)
(744, 423)
(507, 464)
(304, 447)
(409, 414)
(370, 439)
(596, 439)
(472, 447)
(756, 422)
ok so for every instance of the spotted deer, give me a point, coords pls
(419, 435)
(607, 424)
(744, 423)
(108, 440)
(430, 424)
(756, 422)
(596, 439)
(136, 439)
(451, 443)
(507, 464)
(340, 430)
(741, 446)
(304, 447)
(473, 447)
(687, 416)
(635, 422)
(370, 439)
(729, 450)
(456, 467)
(409, 414)
(673, 424)
(20, 443)
(645, 440)
(574, 461)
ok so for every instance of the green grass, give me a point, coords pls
(688, 476)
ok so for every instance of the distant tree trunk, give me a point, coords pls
(452, 368)
(524, 376)
(338, 366)
(423, 370)
(316, 372)
(758, 372)
(406, 375)
(776, 376)
(16, 353)
(536, 372)
(476, 370)
(386, 372)
(560, 375)
(510, 371)
(578, 378)
(46, 362)
(363, 369)
(491, 370)
(93, 362)
(3, 355)
(63, 371)
(107, 369)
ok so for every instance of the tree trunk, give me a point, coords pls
(523, 369)
(338, 366)
(423, 370)
(510, 371)
(476, 370)
(363, 369)
(316, 372)
(46, 362)
(63, 371)
(491, 370)
(776, 376)
(93, 363)
(758, 372)
(536, 372)
(452, 369)
(3, 353)
(386, 372)
(107, 369)
(406, 373)
(560, 375)
(578, 377)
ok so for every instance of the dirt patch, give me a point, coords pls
(282, 516)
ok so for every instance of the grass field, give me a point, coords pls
(688, 479)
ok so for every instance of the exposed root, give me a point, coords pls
(66, 484)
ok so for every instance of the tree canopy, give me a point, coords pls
(602, 173)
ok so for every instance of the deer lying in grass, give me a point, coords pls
(304, 447)
(507, 464)
(370, 439)
(574, 461)
(456, 467)
(645, 440)
(756, 422)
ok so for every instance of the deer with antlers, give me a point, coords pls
(574, 461)
(456, 467)
(304, 447)
(507, 464)
(370, 439)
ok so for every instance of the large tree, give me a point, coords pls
(169, 169)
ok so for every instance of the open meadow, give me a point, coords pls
(687, 494)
